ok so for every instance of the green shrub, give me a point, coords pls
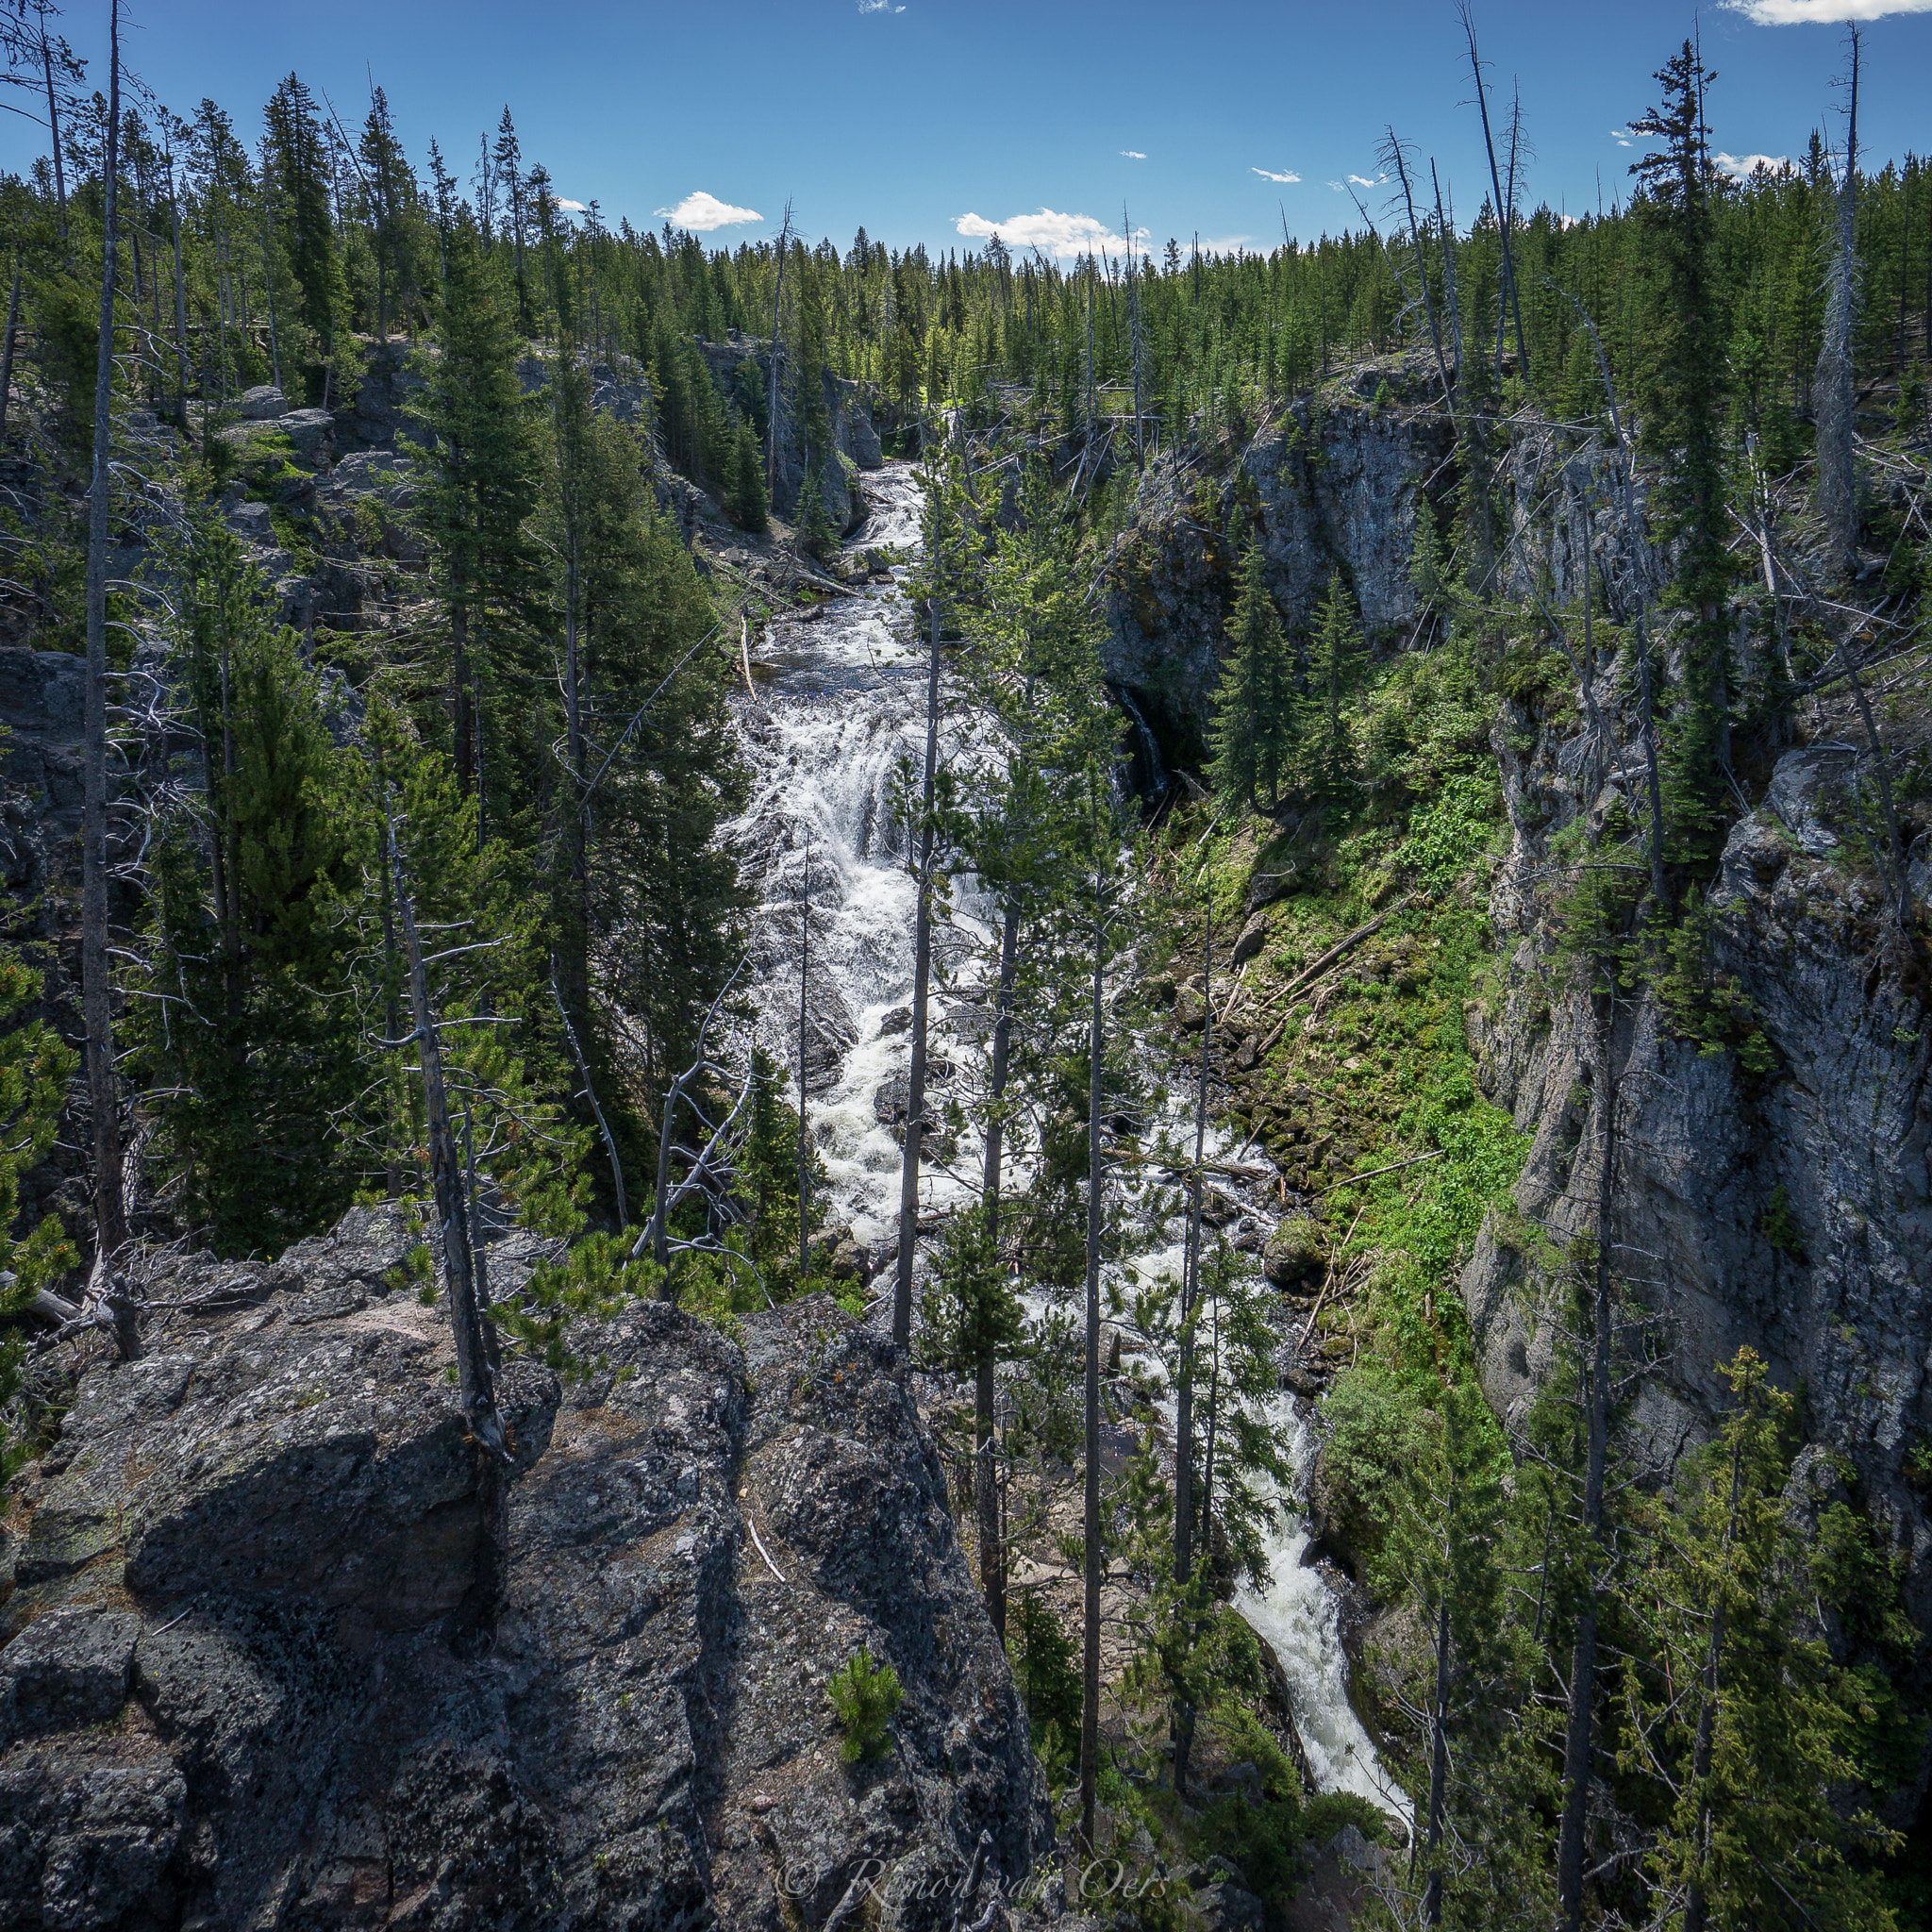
(863, 1697)
(1377, 1433)
(1446, 835)
(1049, 1680)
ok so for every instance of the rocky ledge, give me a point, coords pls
(248, 1678)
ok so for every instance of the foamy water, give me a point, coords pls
(841, 704)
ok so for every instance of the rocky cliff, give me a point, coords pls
(250, 1679)
(1785, 1204)
(743, 368)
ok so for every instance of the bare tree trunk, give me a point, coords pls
(1696, 1909)
(992, 1554)
(772, 406)
(1576, 1743)
(1089, 1673)
(922, 974)
(96, 989)
(1832, 391)
(1184, 1381)
(1633, 535)
(268, 276)
(7, 350)
(474, 1343)
(1134, 329)
(1503, 212)
(1393, 151)
(1439, 1762)
(1090, 348)
(804, 1021)
(53, 121)
(583, 1064)
(1894, 844)
(180, 308)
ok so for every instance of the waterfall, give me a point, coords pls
(839, 705)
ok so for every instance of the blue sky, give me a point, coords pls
(916, 118)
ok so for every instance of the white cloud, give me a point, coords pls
(1742, 167)
(1821, 13)
(1132, 154)
(1051, 233)
(1269, 174)
(1368, 181)
(878, 7)
(700, 211)
(568, 206)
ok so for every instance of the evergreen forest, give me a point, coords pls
(1424, 806)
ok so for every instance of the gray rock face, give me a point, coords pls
(238, 1683)
(263, 403)
(250, 521)
(1335, 487)
(312, 432)
(855, 444)
(1791, 1209)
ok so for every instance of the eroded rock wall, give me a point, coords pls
(1788, 1208)
(247, 1680)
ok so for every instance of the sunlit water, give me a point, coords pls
(838, 716)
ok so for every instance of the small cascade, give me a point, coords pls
(840, 707)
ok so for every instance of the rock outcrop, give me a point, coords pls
(742, 368)
(249, 1679)
(1788, 1208)
(1333, 484)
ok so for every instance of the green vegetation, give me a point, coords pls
(864, 1697)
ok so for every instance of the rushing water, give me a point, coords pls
(838, 712)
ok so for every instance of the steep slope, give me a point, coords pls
(248, 1676)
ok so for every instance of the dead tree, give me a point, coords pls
(992, 1555)
(922, 975)
(710, 1170)
(1596, 1403)
(476, 1341)
(1832, 383)
(1091, 1524)
(1396, 159)
(804, 1021)
(1184, 1380)
(96, 989)
(772, 404)
(1504, 211)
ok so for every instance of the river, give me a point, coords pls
(839, 704)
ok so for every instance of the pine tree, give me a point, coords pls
(1686, 392)
(746, 498)
(481, 471)
(1329, 759)
(1751, 1732)
(243, 1031)
(297, 156)
(35, 1068)
(1251, 737)
(391, 190)
(488, 984)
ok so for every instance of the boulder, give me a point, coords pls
(1253, 936)
(69, 1669)
(263, 1534)
(1341, 1885)
(263, 404)
(250, 521)
(1295, 1253)
(311, 432)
